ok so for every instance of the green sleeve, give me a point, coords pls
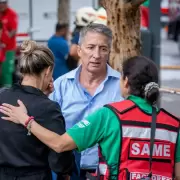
(177, 159)
(89, 131)
(146, 3)
(99, 127)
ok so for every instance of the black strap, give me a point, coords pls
(153, 131)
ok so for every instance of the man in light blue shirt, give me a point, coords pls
(88, 87)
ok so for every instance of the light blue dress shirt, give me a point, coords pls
(76, 103)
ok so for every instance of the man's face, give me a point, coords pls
(94, 52)
(3, 6)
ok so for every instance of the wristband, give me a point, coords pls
(28, 120)
(29, 127)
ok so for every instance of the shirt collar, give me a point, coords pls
(110, 72)
(142, 103)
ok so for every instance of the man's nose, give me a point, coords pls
(96, 53)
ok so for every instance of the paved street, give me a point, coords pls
(170, 78)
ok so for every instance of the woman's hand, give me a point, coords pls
(50, 88)
(15, 114)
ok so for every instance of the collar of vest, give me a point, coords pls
(127, 105)
(122, 107)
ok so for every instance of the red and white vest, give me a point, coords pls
(135, 144)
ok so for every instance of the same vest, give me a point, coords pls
(134, 156)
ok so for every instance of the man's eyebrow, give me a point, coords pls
(90, 44)
(106, 46)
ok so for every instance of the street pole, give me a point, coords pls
(30, 19)
(155, 28)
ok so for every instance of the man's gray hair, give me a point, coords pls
(96, 28)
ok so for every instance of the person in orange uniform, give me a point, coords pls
(9, 18)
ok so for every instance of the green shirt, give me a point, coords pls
(146, 3)
(103, 127)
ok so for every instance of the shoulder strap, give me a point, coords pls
(153, 132)
(121, 107)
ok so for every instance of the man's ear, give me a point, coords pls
(79, 50)
(126, 82)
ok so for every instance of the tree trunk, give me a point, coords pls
(124, 20)
(63, 11)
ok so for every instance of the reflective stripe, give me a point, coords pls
(102, 169)
(138, 132)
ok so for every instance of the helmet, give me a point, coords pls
(101, 16)
(85, 16)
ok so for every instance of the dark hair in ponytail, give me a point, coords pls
(143, 77)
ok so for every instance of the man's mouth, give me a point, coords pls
(95, 63)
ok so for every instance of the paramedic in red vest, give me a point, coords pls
(121, 129)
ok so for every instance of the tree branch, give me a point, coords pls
(137, 2)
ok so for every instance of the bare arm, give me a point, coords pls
(73, 51)
(12, 33)
(13, 26)
(54, 141)
(177, 171)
